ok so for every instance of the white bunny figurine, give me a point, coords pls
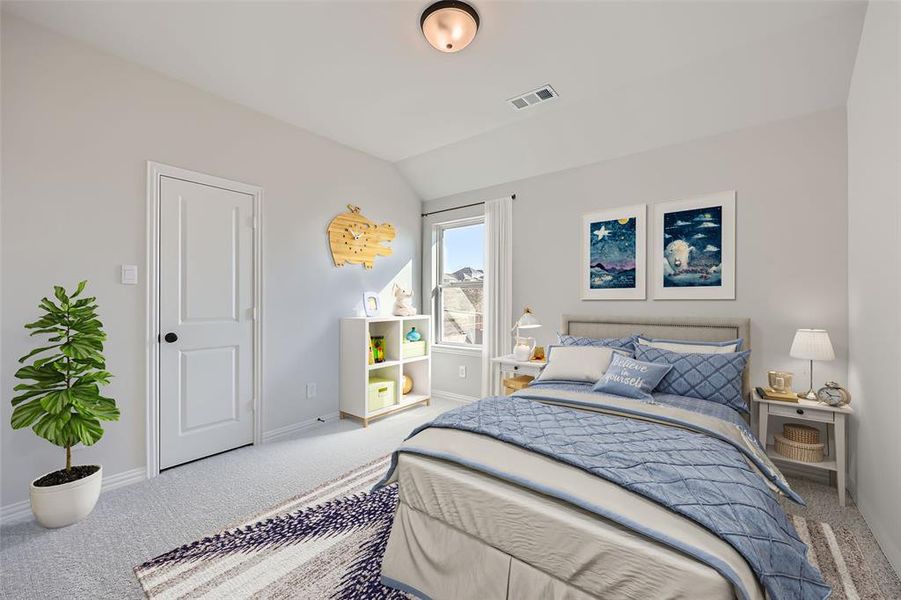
(403, 302)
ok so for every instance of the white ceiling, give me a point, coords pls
(631, 75)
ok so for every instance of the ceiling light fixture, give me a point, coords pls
(449, 25)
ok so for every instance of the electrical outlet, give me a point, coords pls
(311, 390)
(462, 371)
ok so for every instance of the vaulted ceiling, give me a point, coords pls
(630, 75)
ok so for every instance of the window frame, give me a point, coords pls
(438, 284)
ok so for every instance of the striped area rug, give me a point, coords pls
(329, 542)
(838, 557)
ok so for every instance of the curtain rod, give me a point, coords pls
(435, 212)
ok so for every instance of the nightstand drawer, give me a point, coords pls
(798, 412)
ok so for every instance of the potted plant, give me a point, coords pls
(62, 403)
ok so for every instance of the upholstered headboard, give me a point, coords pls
(671, 328)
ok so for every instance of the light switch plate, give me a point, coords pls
(129, 274)
(462, 371)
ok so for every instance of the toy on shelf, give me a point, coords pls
(378, 348)
(403, 302)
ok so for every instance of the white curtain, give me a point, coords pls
(497, 303)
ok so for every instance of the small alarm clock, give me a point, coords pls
(833, 394)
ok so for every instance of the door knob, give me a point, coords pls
(170, 337)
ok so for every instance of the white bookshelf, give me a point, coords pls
(356, 371)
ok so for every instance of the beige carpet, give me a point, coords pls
(328, 543)
(837, 555)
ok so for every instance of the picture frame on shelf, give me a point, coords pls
(372, 305)
(694, 248)
(614, 254)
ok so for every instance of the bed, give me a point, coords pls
(560, 492)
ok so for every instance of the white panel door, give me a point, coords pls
(206, 320)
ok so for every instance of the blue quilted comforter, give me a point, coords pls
(704, 478)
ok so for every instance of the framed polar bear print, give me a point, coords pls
(694, 248)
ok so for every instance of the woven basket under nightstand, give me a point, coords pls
(800, 442)
(802, 434)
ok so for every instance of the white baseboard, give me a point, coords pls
(20, 510)
(15, 511)
(289, 430)
(118, 480)
(454, 397)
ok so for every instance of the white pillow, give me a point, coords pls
(689, 348)
(576, 363)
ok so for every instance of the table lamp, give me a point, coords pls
(522, 349)
(811, 344)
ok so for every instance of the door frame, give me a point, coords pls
(156, 171)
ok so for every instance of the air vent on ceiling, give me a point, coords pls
(542, 94)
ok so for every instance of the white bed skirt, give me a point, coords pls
(460, 534)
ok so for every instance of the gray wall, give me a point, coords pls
(791, 237)
(446, 378)
(874, 279)
(78, 126)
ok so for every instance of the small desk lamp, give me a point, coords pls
(522, 350)
(811, 344)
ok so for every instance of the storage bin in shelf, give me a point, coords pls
(382, 393)
(413, 349)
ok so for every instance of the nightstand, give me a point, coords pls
(508, 365)
(835, 419)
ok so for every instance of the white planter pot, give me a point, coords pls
(68, 503)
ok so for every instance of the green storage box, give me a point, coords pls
(413, 349)
(381, 393)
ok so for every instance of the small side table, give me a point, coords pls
(835, 419)
(509, 365)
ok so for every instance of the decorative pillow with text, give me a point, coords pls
(631, 378)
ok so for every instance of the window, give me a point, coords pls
(460, 262)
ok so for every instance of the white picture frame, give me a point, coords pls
(593, 278)
(697, 280)
(372, 304)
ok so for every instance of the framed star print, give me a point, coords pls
(614, 254)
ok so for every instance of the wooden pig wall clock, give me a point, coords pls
(355, 239)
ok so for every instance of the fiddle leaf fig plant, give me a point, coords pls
(61, 400)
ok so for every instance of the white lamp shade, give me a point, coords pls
(812, 344)
(528, 320)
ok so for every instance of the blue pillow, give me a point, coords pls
(713, 377)
(622, 343)
(631, 378)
